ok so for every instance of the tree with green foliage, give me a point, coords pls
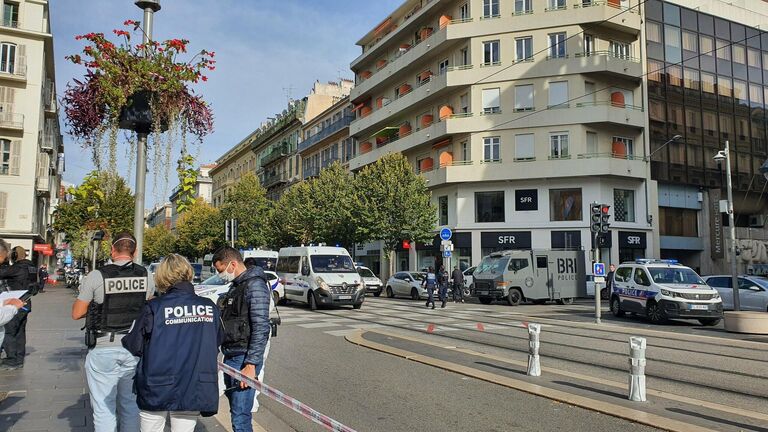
(394, 204)
(199, 230)
(103, 201)
(292, 220)
(159, 241)
(334, 197)
(248, 204)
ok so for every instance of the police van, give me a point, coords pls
(533, 275)
(320, 276)
(661, 289)
(266, 259)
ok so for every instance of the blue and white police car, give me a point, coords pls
(663, 289)
(213, 287)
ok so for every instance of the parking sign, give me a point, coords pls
(598, 269)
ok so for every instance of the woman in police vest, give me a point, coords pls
(177, 337)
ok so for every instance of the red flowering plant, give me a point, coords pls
(116, 71)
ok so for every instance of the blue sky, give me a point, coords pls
(262, 47)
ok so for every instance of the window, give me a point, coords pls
(524, 48)
(690, 43)
(464, 103)
(442, 68)
(565, 205)
(620, 50)
(653, 32)
(517, 264)
(739, 54)
(7, 57)
(557, 45)
(491, 104)
(10, 152)
(592, 143)
(491, 9)
(675, 76)
(491, 149)
(11, 14)
(589, 44)
(622, 274)
(464, 11)
(524, 97)
(541, 262)
(491, 53)
(558, 94)
(558, 144)
(442, 204)
(464, 56)
(723, 50)
(623, 205)
(556, 4)
(753, 58)
(524, 147)
(724, 86)
(707, 46)
(707, 83)
(489, 206)
(465, 151)
(629, 144)
(523, 7)
(641, 278)
(691, 79)
(678, 222)
(672, 45)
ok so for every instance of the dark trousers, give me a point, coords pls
(458, 291)
(430, 295)
(15, 342)
(443, 294)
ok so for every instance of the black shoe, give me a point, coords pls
(433, 305)
(10, 366)
(443, 305)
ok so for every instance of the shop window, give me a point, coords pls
(565, 205)
(489, 206)
(624, 205)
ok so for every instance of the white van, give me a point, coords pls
(266, 259)
(320, 276)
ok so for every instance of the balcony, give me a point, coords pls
(16, 70)
(276, 179)
(12, 121)
(397, 143)
(326, 132)
(310, 172)
(276, 154)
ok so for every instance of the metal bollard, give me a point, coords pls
(637, 369)
(534, 366)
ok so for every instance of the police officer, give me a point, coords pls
(21, 276)
(111, 299)
(442, 282)
(430, 283)
(177, 335)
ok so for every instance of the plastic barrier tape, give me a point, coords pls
(278, 396)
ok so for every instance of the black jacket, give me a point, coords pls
(458, 276)
(258, 296)
(18, 275)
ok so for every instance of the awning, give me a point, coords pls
(383, 26)
(386, 132)
(441, 144)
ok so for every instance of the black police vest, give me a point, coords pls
(236, 317)
(125, 293)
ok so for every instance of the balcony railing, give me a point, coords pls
(10, 23)
(383, 63)
(392, 26)
(11, 120)
(610, 103)
(607, 54)
(591, 3)
(608, 155)
(275, 179)
(330, 130)
(311, 172)
(49, 141)
(277, 153)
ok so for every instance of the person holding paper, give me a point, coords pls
(22, 275)
(8, 310)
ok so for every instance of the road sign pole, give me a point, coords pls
(596, 252)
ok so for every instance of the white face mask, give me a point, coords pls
(225, 275)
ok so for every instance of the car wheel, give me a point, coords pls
(466, 291)
(654, 313)
(357, 305)
(514, 296)
(709, 321)
(604, 294)
(616, 307)
(485, 300)
(377, 293)
(565, 301)
(312, 300)
(390, 293)
(414, 294)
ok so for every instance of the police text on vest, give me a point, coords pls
(188, 314)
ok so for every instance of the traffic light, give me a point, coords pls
(605, 217)
(596, 210)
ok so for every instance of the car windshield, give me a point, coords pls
(367, 273)
(682, 276)
(417, 276)
(332, 264)
(213, 280)
(491, 264)
(760, 280)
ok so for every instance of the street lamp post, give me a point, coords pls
(149, 7)
(725, 155)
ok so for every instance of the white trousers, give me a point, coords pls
(181, 421)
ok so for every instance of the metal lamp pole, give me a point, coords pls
(149, 7)
(725, 155)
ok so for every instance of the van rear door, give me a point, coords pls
(541, 288)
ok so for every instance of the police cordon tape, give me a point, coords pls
(295, 405)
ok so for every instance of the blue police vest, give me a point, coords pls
(177, 371)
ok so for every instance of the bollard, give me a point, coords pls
(534, 367)
(637, 369)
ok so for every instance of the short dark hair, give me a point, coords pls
(250, 262)
(227, 254)
(124, 242)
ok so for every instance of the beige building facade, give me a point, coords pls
(31, 145)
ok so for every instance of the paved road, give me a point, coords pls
(376, 391)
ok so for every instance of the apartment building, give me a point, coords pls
(326, 139)
(230, 167)
(707, 65)
(203, 189)
(31, 144)
(519, 114)
(160, 215)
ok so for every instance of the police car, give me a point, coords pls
(213, 287)
(662, 289)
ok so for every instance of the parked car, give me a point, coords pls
(214, 287)
(407, 284)
(373, 284)
(753, 291)
(661, 289)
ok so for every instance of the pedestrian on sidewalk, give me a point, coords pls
(42, 277)
(458, 285)
(109, 311)
(177, 338)
(20, 276)
(605, 293)
(245, 313)
(430, 282)
(442, 283)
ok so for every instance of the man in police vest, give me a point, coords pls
(21, 276)
(111, 299)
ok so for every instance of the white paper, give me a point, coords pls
(11, 295)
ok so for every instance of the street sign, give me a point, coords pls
(598, 269)
(446, 254)
(446, 245)
(599, 279)
(446, 233)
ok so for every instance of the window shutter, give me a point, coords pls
(491, 98)
(15, 157)
(524, 96)
(524, 147)
(3, 206)
(21, 59)
(558, 93)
